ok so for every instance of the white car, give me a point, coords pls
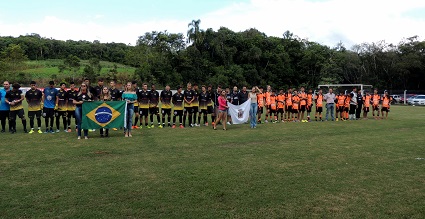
(396, 98)
(417, 100)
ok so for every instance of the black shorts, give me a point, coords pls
(4, 114)
(375, 108)
(280, 110)
(346, 109)
(302, 108)
(188, 110)
(136, 109)
(295, 111)
(272, 111)
(166, 111)
(143, 111)
(288, 109)
(385, 109)
(260, 109)
(203, 111)
(308, 108)
(340, 109)
(210, 109)
(195, 109)
(353, 109)
(48, 112)
(178, 112)
(36, 114)
(366, 109)
(154, 110)
(60, 113)
(13, 113)
(71, 113)
(319, 109)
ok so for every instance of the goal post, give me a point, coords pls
(361, 86)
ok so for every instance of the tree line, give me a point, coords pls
(232, 58)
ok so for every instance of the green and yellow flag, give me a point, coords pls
(99, 114)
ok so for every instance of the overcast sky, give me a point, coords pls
(324, 21)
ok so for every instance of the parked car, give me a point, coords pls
(407, 97)
(396, 98)
(410, 99)
(418, 100)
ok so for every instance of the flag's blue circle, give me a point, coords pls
(103, 115)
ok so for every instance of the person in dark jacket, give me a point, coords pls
(359, 104)
(243, 95)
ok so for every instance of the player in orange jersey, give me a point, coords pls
(318, 99)
(280, 100)
(376, 98)
(366, 104)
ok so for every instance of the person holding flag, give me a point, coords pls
(129, 95)
(253, 97)
(105, 95)
(222, 110)
(82, 96)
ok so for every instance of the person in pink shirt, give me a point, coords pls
(222, 110)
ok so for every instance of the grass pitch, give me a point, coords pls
(353, 169)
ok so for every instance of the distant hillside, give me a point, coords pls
(46, 70)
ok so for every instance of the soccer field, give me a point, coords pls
(354, 169)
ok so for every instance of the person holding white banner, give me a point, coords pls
(253, 106)
(222, 110)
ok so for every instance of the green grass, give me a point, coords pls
(47, 68)
(354, 169)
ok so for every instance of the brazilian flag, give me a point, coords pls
(99, 114)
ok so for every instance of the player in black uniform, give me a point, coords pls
(61, 107)
(178, 102)
(115, 93)
(195, 106)
(14, 98)
(143, 96)
(153, 106)
(188, 100)
(210, 105)
(136, 107)
(165, 98)
(71, 94)
(34, 97)
(204, 98)
(92, 90)
(99, 88)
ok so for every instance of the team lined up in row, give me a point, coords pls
(190, 104)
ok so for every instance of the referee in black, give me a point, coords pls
(359, 104)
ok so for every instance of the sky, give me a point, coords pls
(327, 22)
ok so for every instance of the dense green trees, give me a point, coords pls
(233, 58)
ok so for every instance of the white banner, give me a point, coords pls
(239, 113)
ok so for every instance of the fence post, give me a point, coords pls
(405, 91)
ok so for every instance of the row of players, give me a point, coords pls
(282, 106)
